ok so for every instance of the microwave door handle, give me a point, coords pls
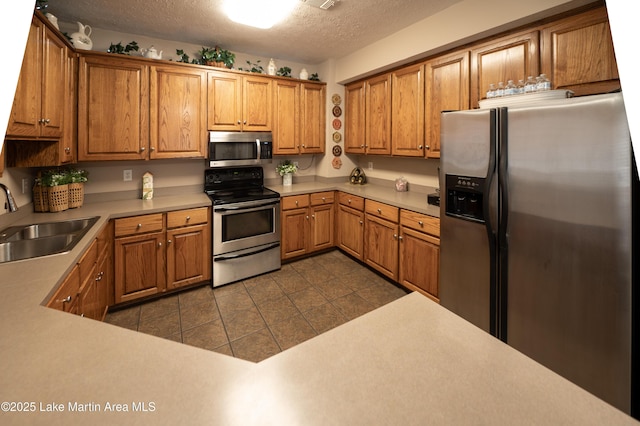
(258, 148)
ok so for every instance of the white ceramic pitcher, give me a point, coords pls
(81, 39)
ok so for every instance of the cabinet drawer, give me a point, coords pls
(139, 224)
(420, 222)
(352, 201)
(382, 210)
(187, 217)
(295, 202)
(320, 198)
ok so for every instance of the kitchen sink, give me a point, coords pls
(42, 239)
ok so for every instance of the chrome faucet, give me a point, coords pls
(11, 202)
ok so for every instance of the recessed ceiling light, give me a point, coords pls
(258, 13)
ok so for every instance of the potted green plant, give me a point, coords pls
(255, 67)
(56, 182)
(216, 57)
(123, 50)
(77, 178)
(286, 169)
(284, 72)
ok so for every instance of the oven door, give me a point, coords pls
(240, 226)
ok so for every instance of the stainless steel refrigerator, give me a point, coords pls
(537, 238)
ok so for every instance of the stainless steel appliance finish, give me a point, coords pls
(230, 149)
(246, 224)
(536, 235)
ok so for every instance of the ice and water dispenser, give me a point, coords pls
(465, 197)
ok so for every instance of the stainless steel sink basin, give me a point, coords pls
(42, 239)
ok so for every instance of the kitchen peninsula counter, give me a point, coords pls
(424, 366)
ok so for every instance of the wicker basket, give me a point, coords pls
(216, 64)
(76, 195)
(58, 198)
(40, 199)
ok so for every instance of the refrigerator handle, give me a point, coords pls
(503, 218)
(490, 215)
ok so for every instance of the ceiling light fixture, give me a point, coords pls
(258, 13)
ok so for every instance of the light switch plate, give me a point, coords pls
(127, 175)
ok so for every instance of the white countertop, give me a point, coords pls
(424, 366)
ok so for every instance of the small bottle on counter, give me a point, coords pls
(500, 90)
(510, 88)
(520, 87)
(530, 86)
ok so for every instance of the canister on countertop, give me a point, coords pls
(147, 186)
(402, 185)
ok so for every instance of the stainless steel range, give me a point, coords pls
(246, 223)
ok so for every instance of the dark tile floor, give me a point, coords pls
(262, 316)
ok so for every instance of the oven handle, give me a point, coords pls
(223, 258)
(253, 206)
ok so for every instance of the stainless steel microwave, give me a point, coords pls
(240, 148)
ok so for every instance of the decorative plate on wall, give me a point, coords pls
(337, 124)
(336, 99)
(337, 137)
(336, 162)
(337, 111)
(337, 150)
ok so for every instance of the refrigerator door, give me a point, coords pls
(569, 241)
(467, 246)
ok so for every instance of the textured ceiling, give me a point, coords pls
(311, 35)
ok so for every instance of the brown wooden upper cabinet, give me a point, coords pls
(39, 104)
(298, 117)
(239, 102)
(578, 55)
(407, 111)
(178, 102)
(113, 108)
(447, 89)
(354, 117)
(514, 57)
(377, 129)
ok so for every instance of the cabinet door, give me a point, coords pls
(178, 102)
(350, 233)
(25, 113)
(447, 89)
(312, 118)
(88, 297)
(257, 103)
(113, 109)
(188, 255)
(322, 227)
(577, 54)
(354, 118)
(286, 117)
(65, 298)
(68, 147)
(407, 111)
(139, 266)
(419, 262)
(381, 245)
(295, 232)
(509, 58)
(224, 101)
(54, 85)
(378, 115)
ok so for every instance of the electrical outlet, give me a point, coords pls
(127, 175)
(370, 166)
(295, 163)
(25, 186)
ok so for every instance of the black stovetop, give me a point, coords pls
(227, 185)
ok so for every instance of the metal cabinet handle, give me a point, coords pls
(168, 242)
(188, 218)
(139, 226)
(239, 122)
(420, 223)
(307, 217)
(160, 244)
(65, 300)
(400, 237)
(361, 222)
(304, 146)
(313, 216)
(427, 146)
(379, 211)
(324, 199)
(395, 236)
(244, 122)
(67, 150)
(153, 148)
(296, 202)
(419, 146)
(142, 149)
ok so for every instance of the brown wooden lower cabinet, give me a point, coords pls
(350, 224)
(381, 238)
(307, 223)
(188, 247)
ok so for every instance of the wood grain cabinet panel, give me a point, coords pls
(139, 266)
(407, 111)
(178, 112)
(286, 117)
(354, 118)
(447, 89)
(378, 115)
(312, 118)
(350, 234)
(113, 108)
(419, 266)
(577, 54)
